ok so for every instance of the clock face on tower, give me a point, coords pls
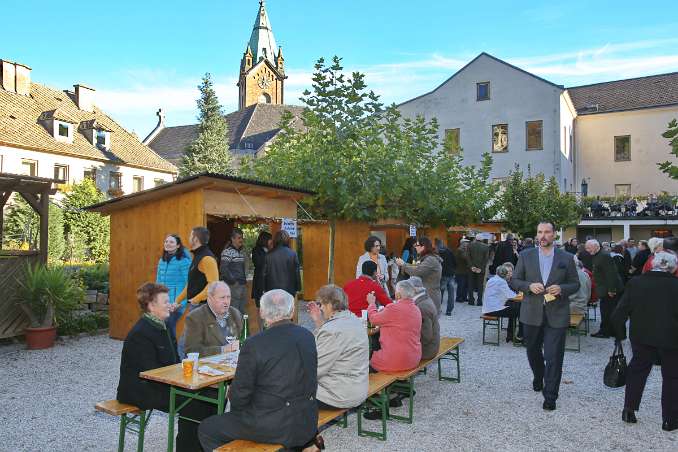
(264, 82)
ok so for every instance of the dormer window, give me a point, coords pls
(97, 134)
(249, 145)
(64, 130)
(102, 139)
(59, 125)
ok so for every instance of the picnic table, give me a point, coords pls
(190, 388)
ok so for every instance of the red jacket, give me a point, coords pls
(357, 291)
(399, 336)
(648, 265)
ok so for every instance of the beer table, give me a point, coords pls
(190, 388)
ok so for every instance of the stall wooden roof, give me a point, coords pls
(211, 181)
(26, 184)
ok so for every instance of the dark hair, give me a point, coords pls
(236, 232)
(369, 268)
(263, 238)
(528, 241)
(147, 292)
(409, 245)
(428, 246)
(553, 225)
(202, 234)
(670, 244)
(370, 242)
(618, 249)
(180, 252)
(281, 238)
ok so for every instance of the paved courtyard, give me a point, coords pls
(48, 398)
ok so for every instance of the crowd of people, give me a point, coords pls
(286, 373)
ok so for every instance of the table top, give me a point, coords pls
(174, 375)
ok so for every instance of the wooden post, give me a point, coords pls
(44, 225)
(4, 196)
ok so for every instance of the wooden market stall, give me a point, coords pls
(141, 221)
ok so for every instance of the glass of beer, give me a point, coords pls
(187, 367)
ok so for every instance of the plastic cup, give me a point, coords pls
(187, 366)
(194, 357)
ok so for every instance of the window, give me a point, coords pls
(158, 182)
(535, 135)
(63, 130)
(137, 183)
(249, 145)
(29, 167)
(622, 189)
(115, 181)
(451, 143)
(101, 138)
(500, 138)
(622, 148)
(91, 174)
(61, 173)
(483, 91)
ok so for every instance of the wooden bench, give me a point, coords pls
(448, 350)
(576, 320)
(377, 398)
(132, 419)
(495, 323)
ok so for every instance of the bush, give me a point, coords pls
(95, 277)
(88, 232)
(88, 322)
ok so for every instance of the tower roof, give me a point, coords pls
(262, 41)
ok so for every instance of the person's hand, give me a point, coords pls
(537, 288)
(371, 298)
(173, 307)
(314, 312)
(231, 347)
(554, 290)
(399, 262)
(193, 302)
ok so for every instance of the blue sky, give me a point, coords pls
(141, 55)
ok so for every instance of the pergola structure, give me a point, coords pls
(36, 191)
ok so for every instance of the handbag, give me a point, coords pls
(615, 371)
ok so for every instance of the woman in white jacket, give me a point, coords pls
(372, 252)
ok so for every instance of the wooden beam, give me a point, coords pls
(44, 225)
(33, 201)
(4, 196)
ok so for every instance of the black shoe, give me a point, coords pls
(460, 301)
(395, 402)
(405, 395)
(448, 314)
(372, 415)
(549, 406)
(670, 425)
(509, 339)
(537, 385)
(629, 416)
(600, 335)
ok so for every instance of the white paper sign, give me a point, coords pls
(289, 225)
(413, 230)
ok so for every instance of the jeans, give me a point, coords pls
(462, 287)
(447, 284)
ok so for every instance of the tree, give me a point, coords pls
(209, 152)
(527, 200)
(88, 232)
(22, 228)
(671, 133)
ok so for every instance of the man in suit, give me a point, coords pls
(547, 276)
(478, 256)
(273, 393)
(608, 286)
(209, 326)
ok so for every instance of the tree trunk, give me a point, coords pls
(330, 263)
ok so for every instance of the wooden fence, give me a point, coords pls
(12, 266)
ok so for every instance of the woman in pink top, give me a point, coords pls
(399, 331)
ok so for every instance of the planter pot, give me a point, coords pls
(39, 338)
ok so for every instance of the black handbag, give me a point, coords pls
(615, 371)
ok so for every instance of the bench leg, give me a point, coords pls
(452, 355)
(343, 420)
(407, 385)
(489, 323)
(121, 435)
(575, 331)
(380, 402)
(143, 420)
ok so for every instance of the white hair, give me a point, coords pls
(276, 305)
(212, 287)
(503, 270)
(406, 289)
(593, 242)
(416, 282)
(654, 242)
(665, 262)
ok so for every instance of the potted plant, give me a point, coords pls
(46, 293)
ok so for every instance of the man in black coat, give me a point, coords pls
(506, 252)
(273, 393)
(281, 270)
(608, 285)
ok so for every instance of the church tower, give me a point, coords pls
(262, 68)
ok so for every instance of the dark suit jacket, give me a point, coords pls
(146, 347)
(203, 334)
(478, 254)
(282, 270)
(273, 392)
(563, 273)
(606, 274)
(651, 301)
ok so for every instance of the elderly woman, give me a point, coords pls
(429, 269)
(373, 253)
(496, 300)
(343, 351)
(151, 344)
(650, 302)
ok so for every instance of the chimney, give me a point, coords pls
(15, 77)
(23, 79)
(8, 76)
(84, 97)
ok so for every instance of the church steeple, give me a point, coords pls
(262, 41)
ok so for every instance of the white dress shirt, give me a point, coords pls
(497, 292)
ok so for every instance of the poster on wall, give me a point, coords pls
(413, 230)
(289, 225)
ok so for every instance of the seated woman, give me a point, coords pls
(343, 351)
(149, 345)
(496, 300)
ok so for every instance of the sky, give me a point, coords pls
(145, 54)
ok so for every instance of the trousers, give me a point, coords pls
(607, 307)
(239, 296)
(476, 283)
(545, 352)
(447, 285)
(462, 287)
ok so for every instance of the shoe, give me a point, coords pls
(670, 425)
(395, 402)
(405, 395)
(600, 335)
(509, 339)
(372, 415)
(519, 339)
(537, 385)
(549, 406)
(629, 416)
(449, 314)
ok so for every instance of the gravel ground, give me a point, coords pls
(48, 402)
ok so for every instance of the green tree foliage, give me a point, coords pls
(209, 152)
(22, 228)
(527, 200)
(671, 169)
(56, 244)
(88, 233)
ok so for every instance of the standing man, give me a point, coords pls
(203, 269)
(282, 266)
(233, 271)
(631, 247)
(478, 256)
(506, 252)
(547, 276)
(608, 286)
(447, 283)
(461, 271)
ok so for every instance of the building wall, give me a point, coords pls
(566, 144)
(515, 97)
(595, 146)
(12, 157)
(251, 91)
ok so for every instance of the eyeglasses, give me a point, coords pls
(418, 244)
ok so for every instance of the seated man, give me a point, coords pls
(209, 326)
(430, 327)
(273, 393)
(358, 289)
